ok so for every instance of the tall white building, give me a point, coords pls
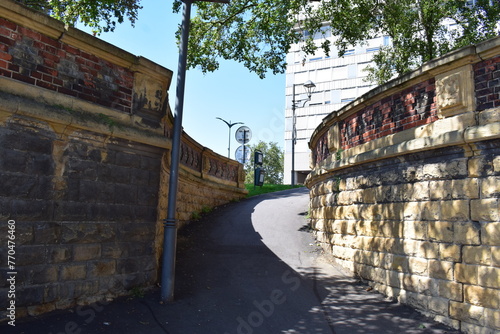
(338, 81)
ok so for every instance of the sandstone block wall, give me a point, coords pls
(85, 144)
(405, 188)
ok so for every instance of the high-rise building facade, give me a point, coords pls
(338, 81)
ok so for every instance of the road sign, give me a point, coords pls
(239, 154)
(243, 134)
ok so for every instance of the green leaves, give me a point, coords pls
(259, 33)
(100, 15)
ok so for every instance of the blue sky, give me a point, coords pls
(232, 92)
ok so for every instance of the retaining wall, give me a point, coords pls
(405, 188)
(85, 143)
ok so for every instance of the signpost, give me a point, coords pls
(242, 154)
(243, 136)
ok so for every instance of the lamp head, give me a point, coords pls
(309, 86)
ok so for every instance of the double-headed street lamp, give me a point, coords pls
(309, 86)
(170, 223)
(230, 125)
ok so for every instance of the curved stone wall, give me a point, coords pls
(405, 188)
(85, 140)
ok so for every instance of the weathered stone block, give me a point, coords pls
(477, 166)
(441, 231)
(452, 169)
(490, 233)
(71, 211)
(467, 233)
(47, 233)
(485, 210)
(415, 230)
(439, 305)
(416, 192)
(102, 268)
(489, 276)
(480, 296)
(422, 249)
(466, 273)
(400, 263)
(43, 274)
(454, 189)
(416, 300)
(450, 290)
(394, 279)
(441, 269)
(466, 312)
(391, 211)
(450, 252)
(495, 256)
(51, 293)
(429, 210)
(496, 164)
(493, 318)
(73, 272)
(418, 266)
(395, 246)
(477, 255)
(86, 252)
(370, 195)
(57, 254)
(457, 210)
(490, 187)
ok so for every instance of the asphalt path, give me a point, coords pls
(251, 267)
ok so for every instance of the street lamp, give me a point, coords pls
(309, 86)
(170, 223)
(230, 125)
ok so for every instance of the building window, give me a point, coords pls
(349, 52)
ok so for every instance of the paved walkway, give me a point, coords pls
(247, 268)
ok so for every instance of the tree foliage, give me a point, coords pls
(100, 15)
(259, 33)
(273, 163)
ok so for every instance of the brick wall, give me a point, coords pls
(486, 78)
(29, 56)
(85, 145)
(415, 209)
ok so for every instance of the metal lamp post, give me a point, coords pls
(230, 125)
(309, 86)
(170, 223)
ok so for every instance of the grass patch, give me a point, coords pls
(267, 188)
